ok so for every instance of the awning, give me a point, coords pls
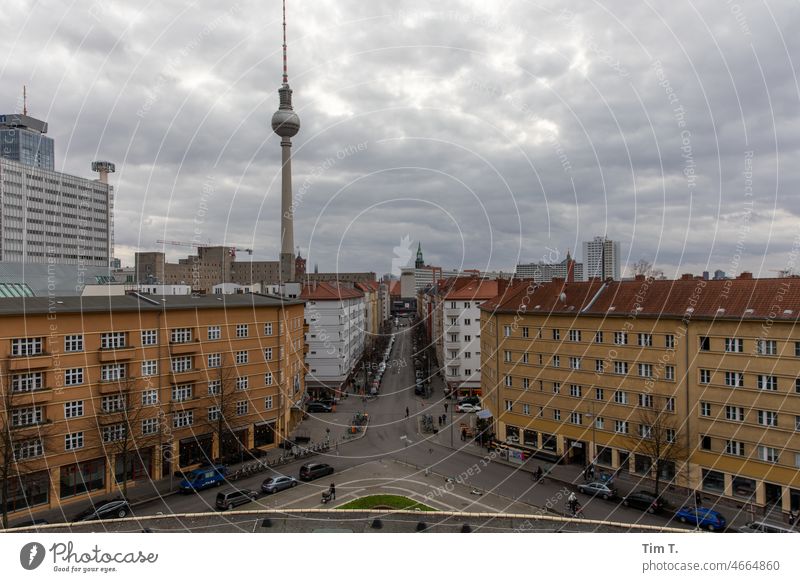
(483, 414)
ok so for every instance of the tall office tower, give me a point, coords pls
(22, 139)
(601, 258)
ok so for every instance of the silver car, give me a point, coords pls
(279, 483)
(599, 489)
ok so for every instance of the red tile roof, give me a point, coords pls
(367, 285)
(327, 291)
(741, 298)
(394, 288)
(467, 288)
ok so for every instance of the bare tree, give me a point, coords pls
(119, 423)
(661, 440)
(222, 398)
(646, 268)
(22, 437)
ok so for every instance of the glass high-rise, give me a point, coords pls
(22, 139)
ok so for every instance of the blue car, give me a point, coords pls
(203, 479)
(702, 517)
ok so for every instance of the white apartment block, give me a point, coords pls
(336, 319)
(544, 272)
(601, 258)
(48, 217)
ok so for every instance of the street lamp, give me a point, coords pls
(594, 426)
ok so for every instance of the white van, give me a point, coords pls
(761, 526)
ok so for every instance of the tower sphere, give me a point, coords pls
(285, 121)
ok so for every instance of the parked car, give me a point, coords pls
(644, 500)
(279, 483)
(230, 498)
(596, 488)
(763, 526)
(318, 407)
(469, 400)
(111, 509)
(702, 517)
(204, 478)
(312, 471)
(467, 407)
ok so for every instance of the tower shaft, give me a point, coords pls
(287, 213)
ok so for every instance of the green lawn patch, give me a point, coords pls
(385, 502)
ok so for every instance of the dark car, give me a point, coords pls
(599, 489)
(644, 500)
(469, 400)
(318, 407)
(230, 498)
(313, 471)
(279, 483)
(112, 509)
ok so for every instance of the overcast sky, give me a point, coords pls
(494, 132)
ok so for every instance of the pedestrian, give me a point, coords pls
(572, 501)
(445, 407)
(793, 515)
(586, 476)
(406, 411)
(698, 499)
(333, 491)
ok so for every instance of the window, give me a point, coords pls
(599, 366)
(621, 367)
(645, 340)
(735, 413)
(669, 405)
(556, 361)
(734, 379)
(525, 332)
(508, 381)
(646, 370)
(767, 418)
(112, 372)
(574, 335)
(669, 341)
(620, 397)
(705, 409)
(734, 448)
(149, 337)
(73, 441)
(26, 416)
(509, 406)
(29, 449)
(526, 383)
(182, 392)
(669, 372)
(242, 383)
(268, 403)
(705, 343)
(214, 332)
(575, 390)
(181, 364)
(149, 397)
(598, 337)
(242, 330)
(268, 328)
(645, 431)
(73, 376)
(575, 363)
(241, 357)
(526, 409)
(620, 338)
(524, 358)
(149, 367)
(27, 382)
(540, 359)
(26, 346)
(73, 343)
(576, 418)
(705, 442)
(181, 335)
(73, 409)
(733, 344)
(112, 340)
(214, 387)
(646, 400)
(507, 331)
(268, 354)
(670, 435)
(768, 454)
(621, 426)
(767, 382)
(214, 413)
(467, 322)
(467, 338)
(268, 379)
(113, 403)
(705, 376)
(556, 387)
(599, 394)
(114, 433)
(150, 426)
(766, 347)
(183, 418)
(713, 481)
(214, 360)
(600, 423)
(506, 356)
(556, 334)
(556, 414)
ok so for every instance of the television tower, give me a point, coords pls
(286, 124)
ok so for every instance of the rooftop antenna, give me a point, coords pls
(24, 100)
(285, 69)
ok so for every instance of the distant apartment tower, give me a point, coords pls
(568, 269)
(48, 217)
(601, 258)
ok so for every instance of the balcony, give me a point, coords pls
(32, 397)
(116, 354)
(36, 362)
(184, 376)
(33, 427)
(190, 347)
(114, 386)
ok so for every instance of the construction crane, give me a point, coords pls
(179, 243)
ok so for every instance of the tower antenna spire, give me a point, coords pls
(285, 68)
(24, 100)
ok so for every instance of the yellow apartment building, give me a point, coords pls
(97, 391)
